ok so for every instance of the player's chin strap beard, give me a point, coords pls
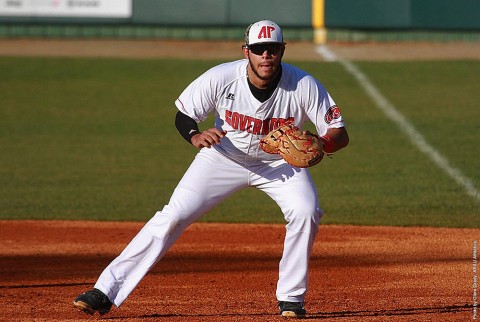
(263, 94)
(270, 78)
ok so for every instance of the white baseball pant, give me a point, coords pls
(210, 179)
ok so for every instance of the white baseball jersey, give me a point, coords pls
(224, 90)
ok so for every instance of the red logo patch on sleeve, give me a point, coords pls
(332, 114)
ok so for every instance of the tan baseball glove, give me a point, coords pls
(301, 149)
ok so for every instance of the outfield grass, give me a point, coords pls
(95, 139)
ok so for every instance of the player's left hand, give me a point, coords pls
(208, 138)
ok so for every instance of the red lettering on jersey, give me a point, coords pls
(273, 124)
(252, 125)
(235, 120)
(250, 121)
(257, 126)
(276, 123)
(228, 117)
(266, 32)
(266, 126)
(244, 122)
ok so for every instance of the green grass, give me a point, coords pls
(95, 139)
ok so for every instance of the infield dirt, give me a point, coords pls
(228, 272)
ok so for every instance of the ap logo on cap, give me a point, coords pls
(264, 31)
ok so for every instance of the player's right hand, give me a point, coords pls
(208, 138)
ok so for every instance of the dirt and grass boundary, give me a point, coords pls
(183, 49)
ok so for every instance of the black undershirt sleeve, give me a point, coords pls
(186, 126)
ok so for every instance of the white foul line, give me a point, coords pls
(416, 138)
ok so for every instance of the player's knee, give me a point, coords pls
(163, 225)
(306, 213)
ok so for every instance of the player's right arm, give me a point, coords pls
(199, 99)
(207, 138)
(188, 129)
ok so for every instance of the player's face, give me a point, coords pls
(264, 61)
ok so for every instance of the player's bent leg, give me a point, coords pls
(292, 282)
(202, 187)
(123, 274)
(296, 195)
(301, 230)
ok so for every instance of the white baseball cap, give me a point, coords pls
(262, 32)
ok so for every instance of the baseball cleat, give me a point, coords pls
(292, 309)
(93, 301)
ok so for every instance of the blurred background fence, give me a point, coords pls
(317, 20)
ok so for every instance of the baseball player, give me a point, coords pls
(249, 98)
